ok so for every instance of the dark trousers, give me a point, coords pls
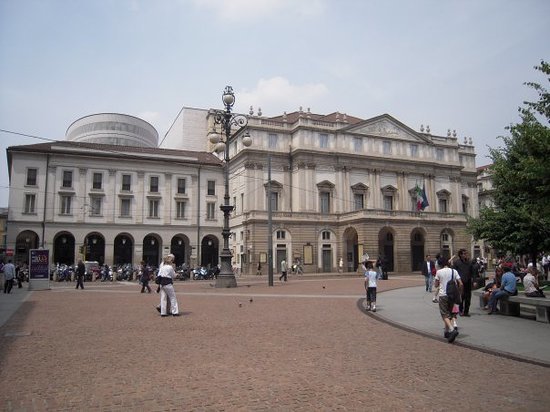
(8, 284)
(283, 276)
(464, 307)
(145, 285)
(80, 282)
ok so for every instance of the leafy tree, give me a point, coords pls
(520, 221)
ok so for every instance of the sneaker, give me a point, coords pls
(434, 300)
(175, 314)
(446, 334)
(367, 308)
(374, 308)
(452, 336)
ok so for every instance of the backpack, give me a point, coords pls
(452, 292)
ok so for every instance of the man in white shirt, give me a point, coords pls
(9, 275)
(442, 277)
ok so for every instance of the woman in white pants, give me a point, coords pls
(166, 275)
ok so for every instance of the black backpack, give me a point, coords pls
(452, 291)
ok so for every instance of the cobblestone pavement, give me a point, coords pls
(303, 345)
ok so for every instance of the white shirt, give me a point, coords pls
(167, 271)
(370, 276)
(444, 275)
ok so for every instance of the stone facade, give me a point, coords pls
(342, 187)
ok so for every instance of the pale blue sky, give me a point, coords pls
(450, 64)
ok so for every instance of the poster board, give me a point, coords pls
(39, 269)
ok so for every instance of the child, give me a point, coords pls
(370, 286)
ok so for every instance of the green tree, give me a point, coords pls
(520, 220)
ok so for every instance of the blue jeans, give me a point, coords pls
(429, 282)
(495, 296)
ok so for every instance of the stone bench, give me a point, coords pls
(511, 305)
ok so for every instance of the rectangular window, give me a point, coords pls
(210, 211)
(388, 202)
(242, 202)
(125, 207)
(211, 188)
(95, 205)
(97, 182)
(181, 186)
(358, 144)
(358, 200)
(387, 147)
(324, 198)
(323, 141)
(31, 177)
(234, 211)
(180, 210)
(464, 206)
(272, 141)
(281, 234)
(66, 205)
(274, 201)
(325, 235)
(154, 208)
(126, 183)
(30, 201)
(154, 184)
(67, 178)
(443, 205)
(414, 150)
(439, 154)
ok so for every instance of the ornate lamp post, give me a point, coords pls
(226, 119)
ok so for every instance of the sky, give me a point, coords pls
(458, 65)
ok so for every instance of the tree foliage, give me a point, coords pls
(520, 219)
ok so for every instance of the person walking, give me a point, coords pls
(80, 272)
(428, 270)
(145, 277)
(442, 277)
(465, 268)
(166, 277)
(259, 269)
(9, 276)
(370, 285)
(284, 268)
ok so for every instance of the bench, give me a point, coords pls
(511, 305)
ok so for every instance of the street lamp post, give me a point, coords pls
(226, 119)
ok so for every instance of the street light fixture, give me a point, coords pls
(226, 119)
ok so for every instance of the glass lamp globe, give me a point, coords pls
(247, 140)
(220, 147)
(213, 137)
(228, 99)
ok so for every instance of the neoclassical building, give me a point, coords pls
(109, 194)
(340, 187)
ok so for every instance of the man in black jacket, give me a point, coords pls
(465, 268)
(80, 272)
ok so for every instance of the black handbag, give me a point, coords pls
(452, 291)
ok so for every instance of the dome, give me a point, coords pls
(113, 128)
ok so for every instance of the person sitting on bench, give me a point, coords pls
(531, 285)
(507, 286)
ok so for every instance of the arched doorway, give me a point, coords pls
(351, 260)
(94, 248)
(151, 250)
(385, 247)
(178, 247)
(209, 251)
(24, 242)
(63, 249)
(417, 249)
(123, 250)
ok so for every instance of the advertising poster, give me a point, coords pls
(39, 269)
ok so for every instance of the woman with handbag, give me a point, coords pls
(165, 280)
